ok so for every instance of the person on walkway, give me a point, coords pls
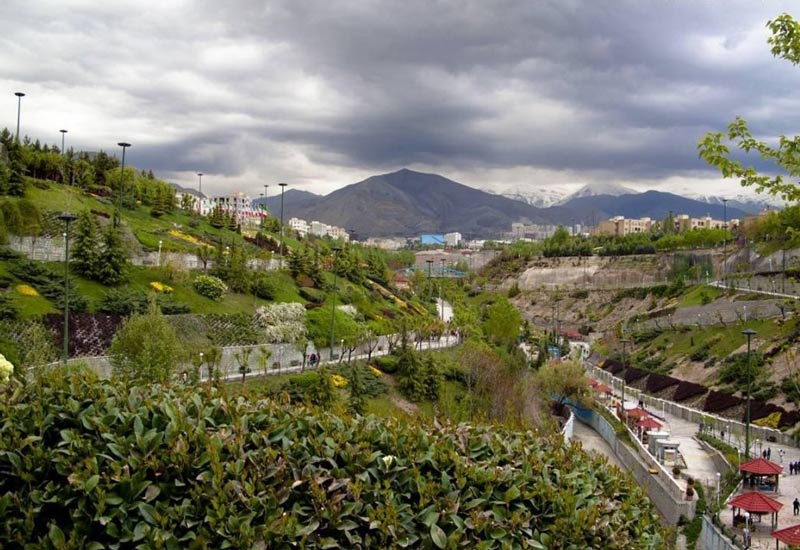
(791, 468)
(780, 453)
(769, 453)
(796, 507)
(764, 453)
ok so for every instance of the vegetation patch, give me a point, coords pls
(91, 464)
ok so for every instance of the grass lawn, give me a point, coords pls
(694, 297)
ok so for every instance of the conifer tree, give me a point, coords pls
(86, 247)
(113, 259)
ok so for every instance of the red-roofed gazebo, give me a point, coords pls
(637, 412)
(789, 536)
(755, 470)
(648, 423)
(757, 503)
(602, 388)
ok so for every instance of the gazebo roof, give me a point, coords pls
(602, 388)
(649, 423)
(755, 502)
(637, 412)
(593, 383)
(761, 466)
(789, 535)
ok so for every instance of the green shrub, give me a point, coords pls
(386, 363)
(91, 464)
(264, 286)
(209, 286)
(123, 302)
(313, 295)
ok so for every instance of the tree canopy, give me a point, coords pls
(715, 147)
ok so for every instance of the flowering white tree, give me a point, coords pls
(282, 322)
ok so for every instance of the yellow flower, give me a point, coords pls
(375, 371)
(183, 236)
(27, 290)
(161, 287)
(338, 380)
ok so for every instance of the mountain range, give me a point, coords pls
(406, 203)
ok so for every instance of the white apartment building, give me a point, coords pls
(452, 239)
(301, 226)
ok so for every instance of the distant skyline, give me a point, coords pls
(500, 95)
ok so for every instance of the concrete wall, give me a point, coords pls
(668, 499)
(49, 249)
(569, 426)
(712, 538)
(717, 422)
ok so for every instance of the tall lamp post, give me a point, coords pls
(67, 218)
(124, 146)
(430, 263)
(283, 188)
(63, 154)
(749, 333)
(441, 282)
(336, 250)
(725, 239)
(625, 342)
(19, 95)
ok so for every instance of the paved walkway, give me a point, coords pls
(701, 467)
(593, 443)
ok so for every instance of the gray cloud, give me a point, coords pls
(322, 93)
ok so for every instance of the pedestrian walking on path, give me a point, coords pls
(796, 507)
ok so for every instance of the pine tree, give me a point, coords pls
(113, 259)
(217, 218)
(86, 247)
(158, 208)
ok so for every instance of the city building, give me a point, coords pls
(452, 239)
(619, 225)
(301, 226)
(531, 231)
(386, 243)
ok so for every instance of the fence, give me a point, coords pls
(713, 421)
(568, 428)
(711, 538)
(670, 505)
(49, 249)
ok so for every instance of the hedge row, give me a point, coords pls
(88, 464)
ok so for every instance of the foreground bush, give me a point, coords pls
(88, 464)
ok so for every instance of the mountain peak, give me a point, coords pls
(598, 188)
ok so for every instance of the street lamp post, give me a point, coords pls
(441, 282)
(63, 134)
(160, 242)
(430, 263)
(625, 342)
(283, 188)
(67, 218)
(63, 154)
(19, 95)
(124, 146)
(718, 477)
(725, 239)
(749, 333)
(336, 250)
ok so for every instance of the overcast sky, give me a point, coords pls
(497, 94)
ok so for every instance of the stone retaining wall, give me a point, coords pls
(670, 506)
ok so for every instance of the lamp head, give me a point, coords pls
(749, 332)
(19, 94)
(124, 144)
(63, 131)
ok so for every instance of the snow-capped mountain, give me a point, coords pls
(594, 189)
(540, 197)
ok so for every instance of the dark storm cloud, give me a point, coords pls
(301, 88)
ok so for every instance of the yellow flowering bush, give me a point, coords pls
(26, 290)
(375, 371)
(6, 370)
(770, 421)
(338, 380)
(161, 287)
(183, 236)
